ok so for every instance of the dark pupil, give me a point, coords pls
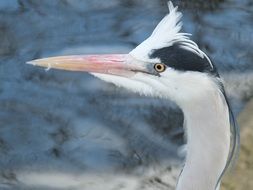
(159, 67)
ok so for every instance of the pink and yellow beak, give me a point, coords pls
(112, 64)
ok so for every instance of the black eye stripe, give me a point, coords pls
(181, 59)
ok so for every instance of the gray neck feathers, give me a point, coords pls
(208, 141)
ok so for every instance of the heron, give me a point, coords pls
(169, 65)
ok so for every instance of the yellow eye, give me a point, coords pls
(159, 67)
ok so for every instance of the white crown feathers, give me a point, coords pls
(167, 33)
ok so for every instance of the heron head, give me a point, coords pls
(167, 64)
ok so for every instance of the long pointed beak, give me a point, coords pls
(113, 64)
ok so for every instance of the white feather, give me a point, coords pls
(128, 83)
(206, 118)
(167, 33)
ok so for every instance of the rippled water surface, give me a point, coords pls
(63, 130)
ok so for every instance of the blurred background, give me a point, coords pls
(63, 130)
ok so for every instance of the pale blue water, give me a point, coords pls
(74, 124)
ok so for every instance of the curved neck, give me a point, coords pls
(208, 140)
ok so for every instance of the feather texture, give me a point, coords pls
(167, 33)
